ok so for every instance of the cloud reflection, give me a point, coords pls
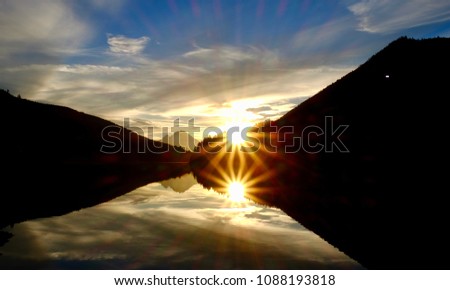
(155, 228)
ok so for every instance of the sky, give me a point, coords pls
(222, 62)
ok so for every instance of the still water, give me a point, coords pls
(176, 224)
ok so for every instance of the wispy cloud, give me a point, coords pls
(111, 6)
(210, 89)
(124, 45)
(209, 83)
(259, 109)
(39, 31)
(228, 56)
(36, 36)
(387, 16)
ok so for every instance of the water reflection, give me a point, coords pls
(154, 227)
(180, 184)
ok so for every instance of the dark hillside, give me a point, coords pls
(369, 175)
(387, 194)
(53, 163)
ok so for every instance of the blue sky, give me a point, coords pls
(222, 62)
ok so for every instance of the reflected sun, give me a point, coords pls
(236, 139)
(236, 191)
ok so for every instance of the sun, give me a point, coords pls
(236, 139)
(236, 191)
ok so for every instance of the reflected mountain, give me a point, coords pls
(360, 163)
(180, 184)
(56, 160)
(4, 237)
(188, 142)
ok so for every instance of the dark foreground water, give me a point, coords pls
(154, 227)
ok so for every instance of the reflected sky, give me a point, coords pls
(156, 228)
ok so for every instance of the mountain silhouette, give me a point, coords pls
(369, 176)
(188, 142)
(56, 160)
(181, 139)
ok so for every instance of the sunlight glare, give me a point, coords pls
(236, 192)
(237, 115)
(236, 139)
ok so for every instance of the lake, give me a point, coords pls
(156, 227)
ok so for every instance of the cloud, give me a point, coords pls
(111, 6)
(197, 84)
(124, 45)
(41, 31)
(322, 35)
(259, 109)
(36, 35)
(387, 16)
(229, 56)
